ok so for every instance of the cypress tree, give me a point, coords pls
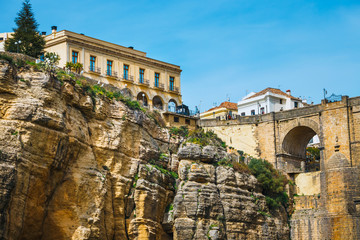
(32, 44)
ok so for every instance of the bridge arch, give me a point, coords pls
(293, 144)
(296, 140)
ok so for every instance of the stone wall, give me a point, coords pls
(330, 206)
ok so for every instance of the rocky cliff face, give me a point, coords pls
(73, 167)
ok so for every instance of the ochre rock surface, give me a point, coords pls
(76, 167)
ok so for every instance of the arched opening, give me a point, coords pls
(313, 155)
(172, 105)
(158, 103)
(301, 150)
(142, 99)
(127, 93)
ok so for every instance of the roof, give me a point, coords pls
(227, 105)
(272, 90)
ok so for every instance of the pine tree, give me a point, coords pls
(32, 44)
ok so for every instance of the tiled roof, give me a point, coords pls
(227, 105)
(272, 90)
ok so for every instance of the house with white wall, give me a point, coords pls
(3, 37)
(268, 100)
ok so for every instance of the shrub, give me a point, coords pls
(182, 131)
(78, 67)
(199, 136)
(69, 66)
(313, 153)
(7, 58)
(51, 59)
(241, 167)
(163, 170)
(272, 181)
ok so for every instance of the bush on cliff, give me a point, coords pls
(199, 136)
(272, 181)
(182, 131)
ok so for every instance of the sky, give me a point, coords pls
(225, 48)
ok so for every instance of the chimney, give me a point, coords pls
(288, 92)
(43, 33)
(53, 29)
(131, 47)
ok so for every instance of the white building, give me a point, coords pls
(3, 37)
(268, 100)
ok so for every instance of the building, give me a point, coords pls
(154, 83)
(3, 37)
(225, 111)
(268, 100)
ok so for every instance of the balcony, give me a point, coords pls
(144, 82)
(111, 74)
(174, 89)
(95, 70)
(159, 85)
(127, 77)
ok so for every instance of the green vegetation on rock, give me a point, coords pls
(199, 136)
(182, 131)
(272, 181)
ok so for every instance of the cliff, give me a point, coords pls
(76, 166)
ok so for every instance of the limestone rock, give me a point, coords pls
(78, 167)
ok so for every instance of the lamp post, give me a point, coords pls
(143, 95)
(17, 43)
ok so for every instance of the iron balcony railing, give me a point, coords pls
(182, 111)
(111, 73)
(144, 81)
(95, 69)
(159, 85)
(173, 89)
(127, 77)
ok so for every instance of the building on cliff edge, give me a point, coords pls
(268, 100)
(225, 111)
(154, 83)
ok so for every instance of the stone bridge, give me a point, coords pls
(327, 201)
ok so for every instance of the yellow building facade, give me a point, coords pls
(154, 83)
(225, 111)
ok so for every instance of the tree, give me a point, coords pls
(26, 38)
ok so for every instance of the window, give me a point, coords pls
(171, 84)
(109, 67)
(281, 101)
(243, 114)
(187, 121)
(141, 75)
(296, 104)
(252, 112)
(176, 119)
(126, 72)
(92, 63)
(157, 76)
(75, 56)
(262, 110)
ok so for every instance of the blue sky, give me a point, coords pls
(225, 48)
